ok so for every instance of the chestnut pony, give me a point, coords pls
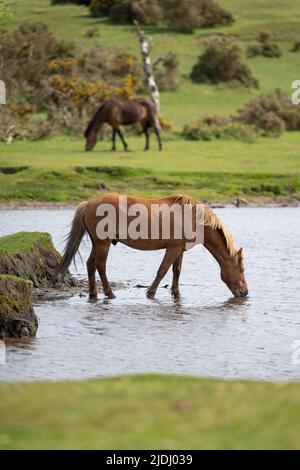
(116, 112)
(217, 240)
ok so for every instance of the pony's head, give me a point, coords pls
(93, 127)
(91, 139)
(232, 273)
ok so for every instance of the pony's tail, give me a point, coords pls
(73, 239)
(151, 108)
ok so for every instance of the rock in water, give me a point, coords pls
(27, 259)
(30, 255)
(17, 317)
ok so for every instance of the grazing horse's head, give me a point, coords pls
(93, 127)
(91, 139)
(232, 273)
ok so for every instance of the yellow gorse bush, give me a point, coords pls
(63, 65)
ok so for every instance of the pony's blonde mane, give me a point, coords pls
(211, 220)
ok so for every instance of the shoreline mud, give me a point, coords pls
(238, 202)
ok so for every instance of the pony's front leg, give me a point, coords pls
(169, 258)
(114, 132)
(123, 140)
(102, 250)
(91, 269)
(176, 273)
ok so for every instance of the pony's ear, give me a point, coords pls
(240, 253)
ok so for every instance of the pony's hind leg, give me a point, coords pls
(176, 273)
(146, 132)
(91, 269)
(157, 133)
(102, 250)
(169, 258)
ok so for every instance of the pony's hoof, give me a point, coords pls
(146, 148)
(111, 295)
(175, 294)
(93, 296)
(150, 294)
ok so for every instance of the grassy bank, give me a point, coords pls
(60, 171)
(149, 412)
(22, 242)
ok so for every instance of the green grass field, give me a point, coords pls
(216, 170)
(60, 171)
(150, 412)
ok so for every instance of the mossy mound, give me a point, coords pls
(32, 256)
(17, 317)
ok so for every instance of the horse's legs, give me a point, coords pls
(102, 250)
(91, 269)
(169, 258)
(157, 133)
(176, 273)
(114, 132)
(146, 132)
(122, 138)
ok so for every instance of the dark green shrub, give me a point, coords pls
(167, 73)
(92, 33)
(149, 12)
(265, 46)
(14, 126)
(183, 15)
(272, 113)
(212, 14)
(186, 15)
(125, 11)
(296, 46)
(26, 53)
(222, 61)
(120, 10)
(219, 127)
(76, 2)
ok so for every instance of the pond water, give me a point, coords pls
(206, 333)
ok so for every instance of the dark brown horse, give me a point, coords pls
(116, 112)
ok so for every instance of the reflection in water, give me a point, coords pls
(205, 332)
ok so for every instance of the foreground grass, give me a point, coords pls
(147, 412)
(60, 171)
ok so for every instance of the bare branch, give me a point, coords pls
(161, 58)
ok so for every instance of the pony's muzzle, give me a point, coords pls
(241, 293)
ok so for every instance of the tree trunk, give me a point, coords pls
(147, 66)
